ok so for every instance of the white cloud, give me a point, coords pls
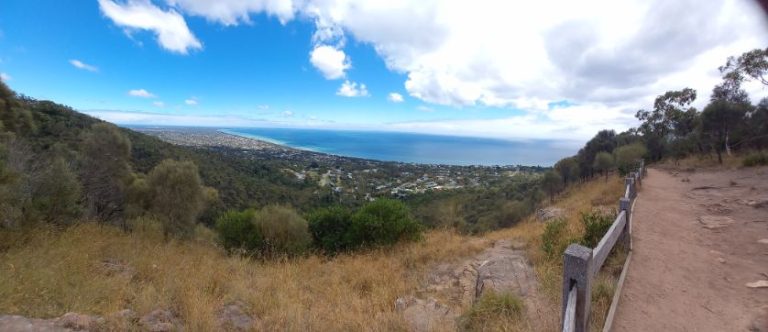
(144, 118)
(169, 27)
(141, 93)
(191, 101)
(263, 107)
(352, 89)
(331, 62)
(84, 66)
(395, 97)
(158, 104)
(287, 114)
(5, 77)
(602, 55)
(425, 109)
(232, 12)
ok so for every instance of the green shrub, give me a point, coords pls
(330, 228)
(553, 238)
(383, 222)
(596, 223)
(490, 308)
(237, 230)
(282, 231)
(756, 159)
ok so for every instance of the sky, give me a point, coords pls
(551, 69)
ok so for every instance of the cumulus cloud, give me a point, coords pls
(395, 97)
(601, 55)
(141, 93)
(82, 65)
(232, 12)
(169, 26)
(352, 89)
(191, 101)
(331, 62)
(5, 77)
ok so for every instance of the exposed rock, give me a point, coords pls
(762, 241)
(715, 222)
(79, 322)
(760, 320)
(718, 208)
(428, 315)
(549, 213)
(232, 317)
(160, 320)
(24, 324)
(758, 284)
(453, 288)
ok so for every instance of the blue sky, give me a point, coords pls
(478, 71)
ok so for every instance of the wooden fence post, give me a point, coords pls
(625, 205)
(577, 272)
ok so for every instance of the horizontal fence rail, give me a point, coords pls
(581, 264)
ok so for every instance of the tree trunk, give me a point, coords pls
(727, 147)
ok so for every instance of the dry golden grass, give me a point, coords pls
(47, 273)
(702, 162)
(576, 199)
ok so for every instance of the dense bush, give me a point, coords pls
(379, 223)
(383, 222)
(596, 223)
(756, 159)
(283, 231)
(627, 157)
(237, 230)
(330, 228)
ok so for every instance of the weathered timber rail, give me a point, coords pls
(581, 264)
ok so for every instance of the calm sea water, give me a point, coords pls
(416, 148)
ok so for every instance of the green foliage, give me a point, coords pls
(177, 195)
(756, 159)
(492, 307)
(552, 184)
(237, 230)
(57, 196)
(330, 228)
(383, 222)
(105, 170)
(568, 168)
(596, 223)
(628, 156)
(283, 231)
(553, 240)
(604, 163)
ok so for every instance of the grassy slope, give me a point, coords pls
(46, 273)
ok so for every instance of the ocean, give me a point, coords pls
(416, 148)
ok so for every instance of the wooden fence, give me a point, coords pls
(581, 264)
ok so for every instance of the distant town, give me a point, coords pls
(361, 178)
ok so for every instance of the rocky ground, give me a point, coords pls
(451, 289)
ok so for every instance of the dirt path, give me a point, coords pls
(689, 273)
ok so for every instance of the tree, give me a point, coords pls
(670, 119)
(568, 168)
(605, 141)
(752, 65)
(718, 121)
(604, 163)
(627, 157)
(177, 195)
(57, 195)
(552, 184)
(105, 170)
